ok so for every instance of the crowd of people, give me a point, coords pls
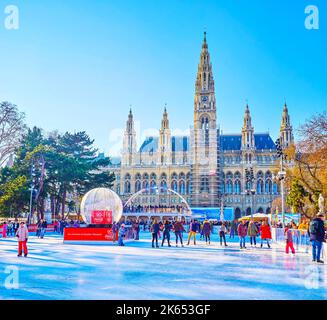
(248, 232)
(154, 209)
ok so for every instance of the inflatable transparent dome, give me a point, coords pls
(101, 206)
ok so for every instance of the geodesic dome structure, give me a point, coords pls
(101, 200)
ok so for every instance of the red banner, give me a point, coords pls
(101, 217)
(88, 234)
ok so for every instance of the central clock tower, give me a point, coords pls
(204, 136)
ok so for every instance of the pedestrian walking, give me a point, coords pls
(317, 237)
(242, 232)
(253, 232)
(265, 233)
(155, 230)
(22, 235)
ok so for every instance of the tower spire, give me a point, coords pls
(286, 131)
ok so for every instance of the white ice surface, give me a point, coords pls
(54, 270)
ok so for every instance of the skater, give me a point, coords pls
(44, 226)
(115, 228)
(206, 230)
(222, 233)
(289, 239)
(39, 227)
(136, 230)
(232, 230)
(22, 235)
(4, 230)
(242, 232)
(155, 230)
(253, 232)
(121, 235)
(178, 229)
(16, 226)
(317, 237)
(201, 231)
(192, 232)
(265, 233)
(166, 233)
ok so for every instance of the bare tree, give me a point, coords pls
(12, 127)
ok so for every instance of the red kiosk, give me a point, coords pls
(99, 208)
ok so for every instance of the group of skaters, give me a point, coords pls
(10, 228)
(155, 209)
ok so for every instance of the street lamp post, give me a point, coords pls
(32, 190)
(249, 188)
(281, 177)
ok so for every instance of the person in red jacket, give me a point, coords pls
(22, 235)
(265, 233)
(242, 232)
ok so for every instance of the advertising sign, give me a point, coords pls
(101, 217)
(88, 234)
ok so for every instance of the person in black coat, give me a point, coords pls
(166, 233)
(317, 236)
(155, 230)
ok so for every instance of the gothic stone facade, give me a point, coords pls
(206, 167)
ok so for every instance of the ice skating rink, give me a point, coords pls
(54, 270)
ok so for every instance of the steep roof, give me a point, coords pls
(178, 143)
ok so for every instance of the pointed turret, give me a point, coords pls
(165, 140)
(247, 130)
(286, 131)
(129, 143)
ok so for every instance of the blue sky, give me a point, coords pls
(78, 65)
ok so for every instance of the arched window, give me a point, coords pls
(153, 186)
(259, 186)
(204, 184)
(174, 176)
(229, 187)
(237, 187)
(260, 210)
(237, 213)
(182, 187)
(127, 187)
(137, 185)
(248, 211)
(163, 186)
(275, 188)
(188, 187)
(145, 185)
(174, 185)
(268, 186)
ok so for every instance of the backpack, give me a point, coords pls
(314, 227)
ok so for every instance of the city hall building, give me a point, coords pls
(206, 168)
